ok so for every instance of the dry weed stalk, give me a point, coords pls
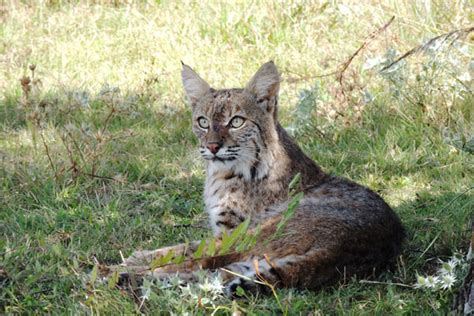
(344, 88)
(453, 36)
(82, 151)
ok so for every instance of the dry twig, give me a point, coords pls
(367, 41)
(340, 70)
(457, 34)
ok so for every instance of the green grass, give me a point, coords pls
(106, 99)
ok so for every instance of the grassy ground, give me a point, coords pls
(97, 156)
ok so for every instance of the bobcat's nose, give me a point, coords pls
(214, 147)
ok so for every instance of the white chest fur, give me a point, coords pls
(217, 196)
(214, 195)
(233, 191)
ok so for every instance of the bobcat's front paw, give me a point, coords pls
(247, 286)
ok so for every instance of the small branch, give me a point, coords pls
(46, 148)
(343, 67)
(386, 283)
(107, 119)
(121, 256)
(73, 162)
(95, 176)
(304, 78)
(73, 141)
(429, 246)
(241, 276)
(367, 41)
(101, 139)
(446, 36)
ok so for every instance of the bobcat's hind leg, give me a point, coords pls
(139, 264)
(133, 279)
(187, 271)
(309, 270)
(132, 275)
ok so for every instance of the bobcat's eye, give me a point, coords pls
(203, 122)
(237, 122)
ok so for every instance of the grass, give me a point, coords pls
(97, 155)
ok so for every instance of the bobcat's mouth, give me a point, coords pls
(223, 159)
(224, 155)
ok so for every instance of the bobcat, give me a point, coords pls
(339, 229)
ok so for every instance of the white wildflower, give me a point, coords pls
(446, 277)
(420, 282)
(146, 294)
(212, 290)
(175, 280)
(206, 286)
(447, 281)
(432, 281)
(401, 303)
(189, 292)
(429, 282)
(146, 289)
(447, 268)
(457, 259)
(217, 285)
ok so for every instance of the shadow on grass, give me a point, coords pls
(150, 198)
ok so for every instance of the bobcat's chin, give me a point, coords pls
(239, 167)
(223, 159)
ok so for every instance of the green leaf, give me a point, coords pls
(295, 181)
(295, 201)
(113, 280)
(179, 259)
(155, 263)
(240, 291)
(200, 249)
(250, 240)
(225, 237)
(211, 249)
(93, 276)
(162, 260)
(242, 245)
(234, 237)
(167, 258)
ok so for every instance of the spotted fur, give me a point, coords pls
(340, 228)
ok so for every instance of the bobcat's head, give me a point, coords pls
(235, 127)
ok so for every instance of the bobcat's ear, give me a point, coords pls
(194, 85)
(265, 84)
